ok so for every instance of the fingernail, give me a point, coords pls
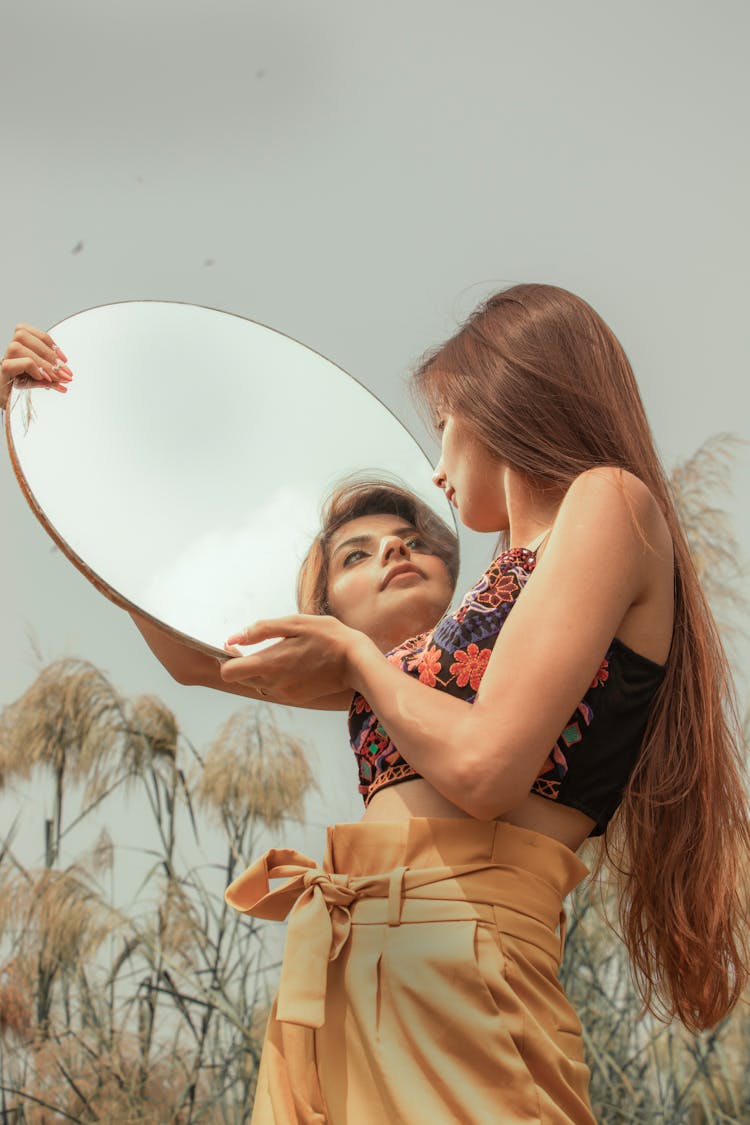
(61, 354)
(45, 374)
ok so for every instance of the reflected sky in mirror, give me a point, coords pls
(187, 464)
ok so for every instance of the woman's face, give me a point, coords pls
(471, 477)
(384, 580)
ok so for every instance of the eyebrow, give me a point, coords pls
(365, 540)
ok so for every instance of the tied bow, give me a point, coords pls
(317, 903)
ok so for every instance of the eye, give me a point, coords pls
(417, 543)
(351, 555)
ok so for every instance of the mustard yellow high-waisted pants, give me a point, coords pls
(419, 981)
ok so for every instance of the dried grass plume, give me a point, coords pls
(253, 769)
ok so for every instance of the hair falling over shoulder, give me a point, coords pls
(548, 388)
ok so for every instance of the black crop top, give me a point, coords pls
(591, 761)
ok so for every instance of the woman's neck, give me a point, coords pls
(531, 508)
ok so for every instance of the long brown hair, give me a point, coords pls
(547, 388)
(367, 496)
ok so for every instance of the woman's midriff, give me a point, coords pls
(418, 798)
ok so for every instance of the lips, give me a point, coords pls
(402, 568)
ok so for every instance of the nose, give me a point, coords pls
(438, 477)
(393, 546)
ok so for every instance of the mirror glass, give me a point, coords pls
(184, 470)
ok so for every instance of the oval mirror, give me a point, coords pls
(184, 470)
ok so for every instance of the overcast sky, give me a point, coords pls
(358, 176)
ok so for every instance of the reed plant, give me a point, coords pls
(154, 1010)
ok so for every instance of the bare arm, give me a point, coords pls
(189, 666)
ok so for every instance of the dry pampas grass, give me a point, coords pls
(66, 719)
(153, 721)
(16, 1010)
(178, 925)
(696, 483)
(73, 721)
(254, 769)
(155, 1013)
(71, 1082)
(59, 915)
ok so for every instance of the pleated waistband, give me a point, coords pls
(370, 847)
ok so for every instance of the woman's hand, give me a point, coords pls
(33, 357)
(313, 659)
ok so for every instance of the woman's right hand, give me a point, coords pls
(33, 357)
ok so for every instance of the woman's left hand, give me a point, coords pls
(312, 659)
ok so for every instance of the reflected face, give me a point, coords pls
(471, 477)
(384, 579)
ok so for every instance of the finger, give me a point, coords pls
(265, 630)
(241, 669)
(237, 638)
(232, 650)
(25, 374)
(37, 333)
(58, 373)
(20, 360)
(17, 368)
(256, 667)
(36, 336)
(29, 340)
(39, 348)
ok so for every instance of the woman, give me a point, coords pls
(420, 974)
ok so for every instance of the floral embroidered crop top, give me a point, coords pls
(591, 761)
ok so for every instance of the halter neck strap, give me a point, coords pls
(535, 544)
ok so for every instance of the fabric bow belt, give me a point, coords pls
(319, 905)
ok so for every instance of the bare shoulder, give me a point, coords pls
(615, 503)
(608, 481)
(626, 531)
